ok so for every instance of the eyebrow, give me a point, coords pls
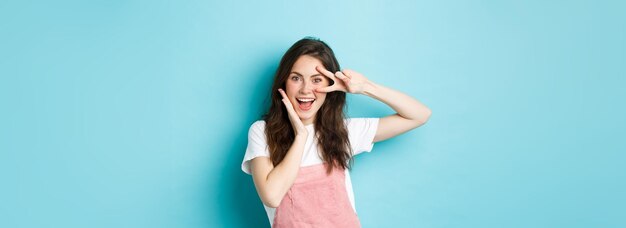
(294, 72)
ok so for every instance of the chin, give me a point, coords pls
(306, 116)
(302, 117)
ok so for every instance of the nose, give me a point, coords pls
(307, 87)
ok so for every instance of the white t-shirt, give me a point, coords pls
(361, 132)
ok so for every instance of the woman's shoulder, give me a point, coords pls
(257, 130)
(259, 122)
(361, 124)
(258, 125)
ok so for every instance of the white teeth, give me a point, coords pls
(305, 99)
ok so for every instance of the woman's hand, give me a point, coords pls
(346, 81)
(296, 123)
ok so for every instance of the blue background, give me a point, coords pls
(135, 113)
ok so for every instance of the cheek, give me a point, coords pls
(290, 88)
(320, 97)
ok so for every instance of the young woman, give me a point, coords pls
(300, 153)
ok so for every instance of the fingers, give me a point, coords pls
(325, 72)
(296, 123)
(286, 101)
(327, 89)
(339, 74)
(348, 73)
(343, 77)
(283, 94)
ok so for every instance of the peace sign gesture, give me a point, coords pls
(346, 81)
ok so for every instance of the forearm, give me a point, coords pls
(405, 105)
(283, 175)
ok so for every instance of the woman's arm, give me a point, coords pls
(272, 183)
(410, 112)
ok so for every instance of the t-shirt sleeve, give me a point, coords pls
(361, 132)
(257, 145)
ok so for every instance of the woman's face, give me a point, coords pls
(300, 88)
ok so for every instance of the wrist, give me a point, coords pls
(369, 88)
(302, 135)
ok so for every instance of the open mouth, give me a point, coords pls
(305, 103)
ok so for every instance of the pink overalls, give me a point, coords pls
(317, 200)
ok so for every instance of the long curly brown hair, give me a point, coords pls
(330, 128)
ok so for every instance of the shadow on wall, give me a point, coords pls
(240, 205)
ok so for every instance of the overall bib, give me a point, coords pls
(317, 200)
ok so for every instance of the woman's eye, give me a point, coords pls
(317, 80)
(295, 78)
